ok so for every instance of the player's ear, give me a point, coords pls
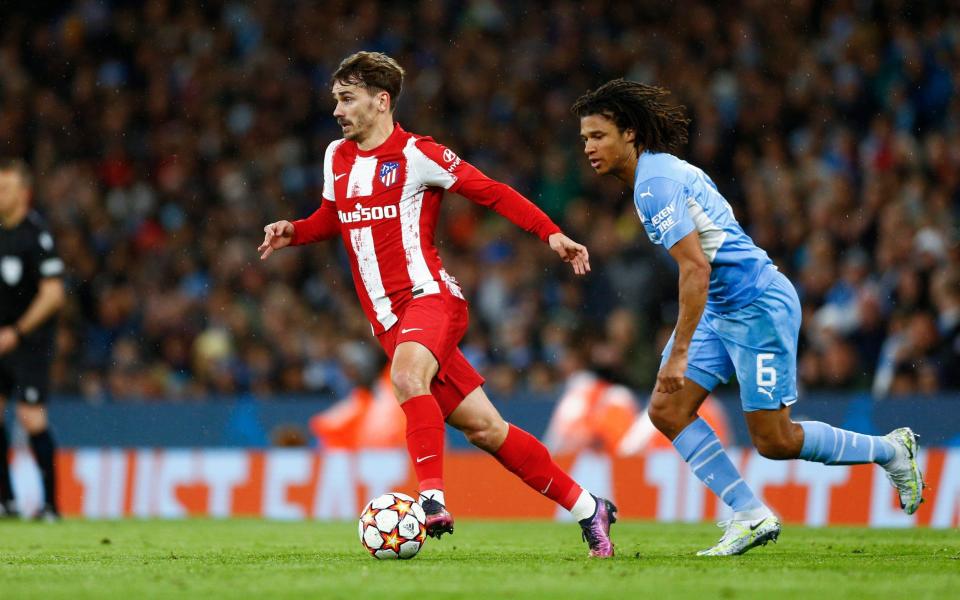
(384, 102)
(630, 135)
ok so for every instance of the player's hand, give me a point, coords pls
(670, 377)
(9, 340)
(571, 252)
(276, 235)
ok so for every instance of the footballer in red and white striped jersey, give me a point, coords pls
(382, 190)
(385, 202)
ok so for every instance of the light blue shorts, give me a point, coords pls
(758, 343)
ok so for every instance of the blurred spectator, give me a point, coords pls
(164, 135)
(908, 359)
(596, 414)
(369, 416)
(946, 297)
(593, 413)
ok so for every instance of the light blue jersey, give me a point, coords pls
(675, 198)
(751, 322)
(749, 328)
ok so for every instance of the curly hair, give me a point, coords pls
(659, 127)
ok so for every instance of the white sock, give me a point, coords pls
(584, 507)
(754, 514)
(435, 494)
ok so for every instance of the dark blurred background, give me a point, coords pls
(165, 134)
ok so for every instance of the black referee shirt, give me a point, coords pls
(27, 255)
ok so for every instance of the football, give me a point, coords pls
(392, 526)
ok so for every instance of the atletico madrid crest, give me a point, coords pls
(388, 173)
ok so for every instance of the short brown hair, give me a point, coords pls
(20, 168)
(373, 70)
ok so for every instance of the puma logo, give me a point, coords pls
(646, 194)
(765, 391)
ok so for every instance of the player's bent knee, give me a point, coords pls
(486, 434)
(407, 385)
(481, 438)
(666, 418)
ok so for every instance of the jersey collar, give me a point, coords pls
(639, 168)
(387, 143)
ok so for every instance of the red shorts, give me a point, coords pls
(438, 322)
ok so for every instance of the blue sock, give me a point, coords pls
(826, 444)
(700, 447)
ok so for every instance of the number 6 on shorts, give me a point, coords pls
(766, 376)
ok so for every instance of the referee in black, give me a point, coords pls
(31, 294)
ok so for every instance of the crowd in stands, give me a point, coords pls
(165, 134)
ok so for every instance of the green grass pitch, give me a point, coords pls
(261, 559)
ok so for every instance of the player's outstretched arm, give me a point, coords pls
(323, 224)
(439, 166)
(571, 252)
(525, 214)
(275, 236)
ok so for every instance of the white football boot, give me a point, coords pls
(903, 471)
(742, 534)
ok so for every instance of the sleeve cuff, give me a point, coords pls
(456, 185)
(549, 230)
(295, 240)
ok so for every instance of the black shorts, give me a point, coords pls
(25, 372)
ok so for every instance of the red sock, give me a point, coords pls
(524, 456)
(425, 440)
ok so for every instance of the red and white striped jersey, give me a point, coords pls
(385, 202)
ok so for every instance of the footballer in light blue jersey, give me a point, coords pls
(738, 316)
(673, 199)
